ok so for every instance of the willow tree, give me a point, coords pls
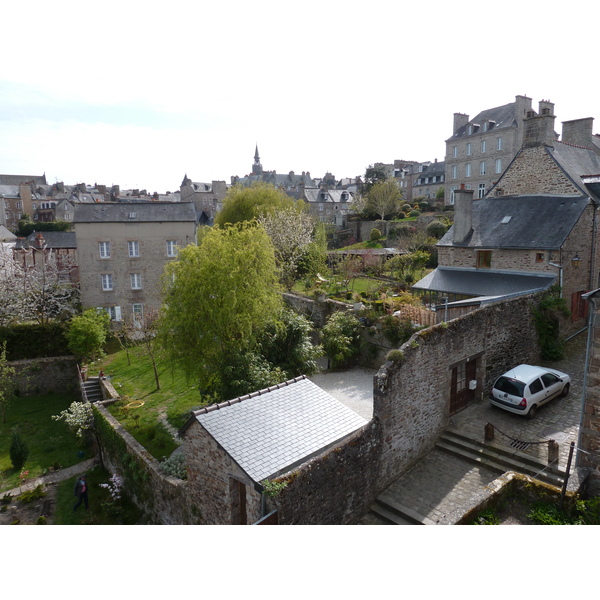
(218, 295)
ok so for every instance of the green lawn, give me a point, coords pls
(102, 509)
(176, 398)
(50, 442)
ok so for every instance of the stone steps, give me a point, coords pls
(92, 389)
(499, 458)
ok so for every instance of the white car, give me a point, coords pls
(523, 389)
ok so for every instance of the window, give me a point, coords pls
(539, 257)
(454, 151)
(536, 386)
(104, 248)
(484, 259)
(468, 170)
(481, 190)
(483, 146)
(482, 167)
(454, 171)
(171, 248)
(136, 281)
(499, 143)
(138, 312)
(19, 204)
(107, 282)
(453, 189)
(134, 249)
(34, 206)
(498, 165)
(114, 312)
(469, 149)
(67, 216)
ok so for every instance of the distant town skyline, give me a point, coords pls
(140, 98)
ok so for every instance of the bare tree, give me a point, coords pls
(384, 198)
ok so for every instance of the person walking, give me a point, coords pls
(81, 491)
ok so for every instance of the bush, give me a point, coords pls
(87, 333)
(175, 466)
(406, 207)
(436, 229)
(26, 341)
(395, 356)
(375, 234)
(19, 452)
(396, 330)
(341, 337)
(414, 213)
(35, 494)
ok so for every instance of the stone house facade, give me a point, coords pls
(207, 197)
(481, 148)
(328, 205)
(123, 250)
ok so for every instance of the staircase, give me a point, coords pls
(497, 457)
(492, 456)
(91, 390)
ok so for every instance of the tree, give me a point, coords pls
(384, 198)
(145, 331)
(248, 203)
(218, 296)
(7, 382)
(19, 451)
(87, 333)
(291, 232)
(373, 175)
(341, 338)
(314, 256)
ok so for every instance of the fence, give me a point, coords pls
(416, 314)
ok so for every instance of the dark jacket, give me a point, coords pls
(79, 487)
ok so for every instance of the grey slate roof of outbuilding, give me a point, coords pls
(474, 282)
(272, 431)
(540, 221)
(52, 240)
(135, 212)
(576, 161)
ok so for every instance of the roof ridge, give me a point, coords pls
(226, 403)
(574, 145)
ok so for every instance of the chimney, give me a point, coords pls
(578, 132)
(460, 120)
(539, 129)
(463, 214)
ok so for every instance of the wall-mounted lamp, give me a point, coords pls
(575, 261)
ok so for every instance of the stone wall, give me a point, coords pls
(46, 375)
(412, 397)
(317, 311)
(164, 499)
(336, 488)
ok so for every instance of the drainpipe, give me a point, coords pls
(560, 276)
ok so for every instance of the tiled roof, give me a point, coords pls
(52, 240)
(272, 431)
(134, 212)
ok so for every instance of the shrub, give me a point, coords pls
(175, 466)
(436, 229)
(35, 494)
(414, 213)
(375, 234)
(41, 520)
(19, 452)
(341, 337)
(406, 207)
(404, 230)
(396, 330)
(395, 356)
(26, 341)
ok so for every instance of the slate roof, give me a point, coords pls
(134, 212)
(52, 240)
(477, 282)
(576, 161)
(17, 179)
(315, 194)
(503, 116)
(537, 221)
(272, 431)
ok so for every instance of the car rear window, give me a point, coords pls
(510, 386)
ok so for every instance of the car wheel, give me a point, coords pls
(532, 412)
(565, 391)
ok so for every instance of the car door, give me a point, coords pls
(537, 393)
(552, 384)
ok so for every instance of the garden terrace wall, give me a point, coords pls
(317, 311)
(335, 488)
(412, 396)
(162, 498)
(46, 375)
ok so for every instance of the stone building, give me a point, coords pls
(328, 205)
(234, 448)
(481, 148)
(537, 225)
(427, 179)
(123, 249)
(207, 198)
(16, 197)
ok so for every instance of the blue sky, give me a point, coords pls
(137, 94)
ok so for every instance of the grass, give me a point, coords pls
(135, 383)
(50, 442)
(102, 510)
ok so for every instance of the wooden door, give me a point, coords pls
(460, 394)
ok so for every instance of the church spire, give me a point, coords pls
(256, 167)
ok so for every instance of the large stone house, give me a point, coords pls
(207, 197)
(537, 226)
(123, 249)
(481, 148)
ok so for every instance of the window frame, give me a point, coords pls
(107, 282)
(484, 259)
(133, 248)
(171, 248)
(135, 279)
(104, 249)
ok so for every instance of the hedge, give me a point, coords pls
(27, 341)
